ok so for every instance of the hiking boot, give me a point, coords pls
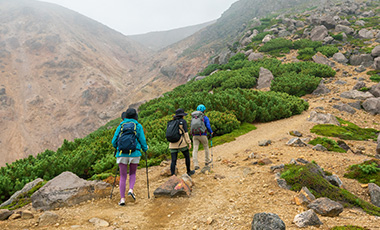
(131, 197)
(196, 167)
(192, 172)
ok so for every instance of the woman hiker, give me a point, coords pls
(183, 145)
(131, 158)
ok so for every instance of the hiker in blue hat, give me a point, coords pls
(200, 124)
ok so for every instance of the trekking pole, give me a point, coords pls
(114, 181)
(212, 156)
(147, 178)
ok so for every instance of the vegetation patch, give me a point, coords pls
(366, 172)
(329, 144)
(310, 176)
(25, 198)
(375, 75)
(347, 131)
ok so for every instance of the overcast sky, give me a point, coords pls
(142, 16)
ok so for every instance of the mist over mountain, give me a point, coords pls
(161, 39)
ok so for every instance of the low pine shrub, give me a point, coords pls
(296, 84)
(306, 54)
(328, 51)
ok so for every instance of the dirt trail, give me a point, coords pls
(247, 189)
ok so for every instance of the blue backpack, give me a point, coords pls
(127, 138)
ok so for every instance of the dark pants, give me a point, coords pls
(174, 153)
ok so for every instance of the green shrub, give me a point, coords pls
(310, 176)
(348, 131)
(296, 84)
(348, 227)
(328, 51)
(338, 37)
(209, 69)
(306, 43)
(306, 54)
(260, 36)
(329, 144)
(366, 172)
(277, 45)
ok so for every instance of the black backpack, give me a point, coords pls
(172, 131)
(127, 138)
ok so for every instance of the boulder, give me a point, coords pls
(334, 180)
(345, 108)
(365, 34)
(345, 29)
(319, 58)
(328, 21)
(355, 94)
(319, 147)
(304, 197)
(68, 189)
(308, 218)
(326, 207)
(359, 85)
(372, 105)
(374, 192)
(267, 221)
(24, 190)
(255, 56)
(318, 33)
(174, 186)
(340, 58)
(267, 38)
(376, 51)
(322, 118)
(321, 89)
(296, 142)
(361, 59)
(48, 218)
(376, 63)
(360, 23)
(265, 78)
(5, 214)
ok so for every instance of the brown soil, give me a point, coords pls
(247, 189)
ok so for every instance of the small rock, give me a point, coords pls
(209, 221)
(99, 222)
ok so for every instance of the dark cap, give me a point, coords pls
(131, 113)
(180, 113)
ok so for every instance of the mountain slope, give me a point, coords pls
(162, 39)
(62, 76)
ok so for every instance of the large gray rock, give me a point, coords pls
(265, 78)
(355, 94)
(320, 59)
(376, 63)
(339, 57)
(375, 90)
(362, 59)
(374, 192)
(328, 21)
(319, 33)
(24, 190)
(372, 105)
(326, 207)
(376, 51)
(365, 34)
(321, 89)
(359, 85)
(322, 118)
(5, 213)
(267, 221)
(345, 29)
(308, 218)
(344, 107)
(255, 56)
(68, 189)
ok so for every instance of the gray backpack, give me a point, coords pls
(197, 123)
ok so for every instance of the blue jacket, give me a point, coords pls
(140, 137)
(208, 126)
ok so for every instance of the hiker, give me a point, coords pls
(183, 144)
(135, 139)
(200, 134)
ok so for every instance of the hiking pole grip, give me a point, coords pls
(147, 178)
